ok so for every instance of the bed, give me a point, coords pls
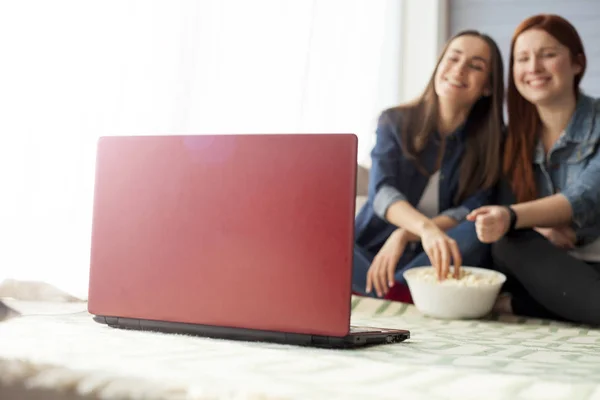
(55, 351)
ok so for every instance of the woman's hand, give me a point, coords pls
(441, 250)
(491, 222)
(381, 273)
(563, 237)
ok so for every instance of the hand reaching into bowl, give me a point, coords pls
(442, 250)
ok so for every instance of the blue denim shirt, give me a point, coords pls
(393, 177)
(572, 167)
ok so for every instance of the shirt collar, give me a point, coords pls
(580, 126)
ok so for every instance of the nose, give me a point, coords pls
(460, 67)
(534, 64)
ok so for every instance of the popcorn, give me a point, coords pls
(466, 278)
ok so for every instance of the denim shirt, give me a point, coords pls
(393, 177)
(572, 168)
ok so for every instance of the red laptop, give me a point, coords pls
(230, 236)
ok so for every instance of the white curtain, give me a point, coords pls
(72, 70)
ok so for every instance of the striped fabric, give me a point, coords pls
(59, 347)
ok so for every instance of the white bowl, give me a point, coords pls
(454, 299)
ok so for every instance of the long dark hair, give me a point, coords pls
(524, 121)
(480, 167)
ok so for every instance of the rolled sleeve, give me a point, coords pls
(457, 213)
(584, 195)
(384, 198)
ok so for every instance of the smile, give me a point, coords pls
(537, 82)
(455, 83)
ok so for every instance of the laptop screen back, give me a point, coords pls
(247, 231)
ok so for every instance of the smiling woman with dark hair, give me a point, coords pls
(434, 161)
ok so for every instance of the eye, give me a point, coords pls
(477, 67)
(522, 59)
(549, 55)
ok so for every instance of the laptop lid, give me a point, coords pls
(246, 231)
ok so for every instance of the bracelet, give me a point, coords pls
(513, 219)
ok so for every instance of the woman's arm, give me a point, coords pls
(393, 206)
(405, 216)
(451, 217)
(547, 212)
(493, 222)
(388, 202)
(578, 204)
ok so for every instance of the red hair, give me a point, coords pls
(524, 122)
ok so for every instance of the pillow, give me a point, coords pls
(362, 181)
(34, 291)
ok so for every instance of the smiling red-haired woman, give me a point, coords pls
(524, 123)
(546, 237)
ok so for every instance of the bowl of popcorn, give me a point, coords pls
(471, 295)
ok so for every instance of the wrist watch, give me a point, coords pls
(513, 219)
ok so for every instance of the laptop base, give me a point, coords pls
(362, 337)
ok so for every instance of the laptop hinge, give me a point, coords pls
(128, 323)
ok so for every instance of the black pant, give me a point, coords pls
(545, 281)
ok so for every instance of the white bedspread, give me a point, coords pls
(512, 359)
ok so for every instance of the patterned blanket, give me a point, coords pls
(59, 347)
